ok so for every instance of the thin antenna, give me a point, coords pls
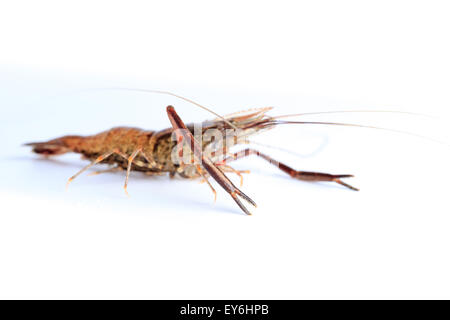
(287, 150)
(352, 111)
(173, 95)
(359, 126)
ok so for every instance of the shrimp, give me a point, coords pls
(193, 151)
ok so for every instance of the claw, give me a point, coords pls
(338, 180)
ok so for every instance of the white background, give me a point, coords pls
(168, 240)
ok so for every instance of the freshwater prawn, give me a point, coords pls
(192, 151)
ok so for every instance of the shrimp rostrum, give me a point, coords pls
(192, 151)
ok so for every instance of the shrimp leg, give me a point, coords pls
(205, 179)
(301, 175)
(130, 162)
(93, 163)
(183, 133)
(105, 156)
(110, 170)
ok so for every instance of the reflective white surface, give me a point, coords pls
(169, 240)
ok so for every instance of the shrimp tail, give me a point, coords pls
(56, 146)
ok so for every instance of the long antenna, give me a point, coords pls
(356, 125)
(286, 150)
(173, 95)
(351, 111)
